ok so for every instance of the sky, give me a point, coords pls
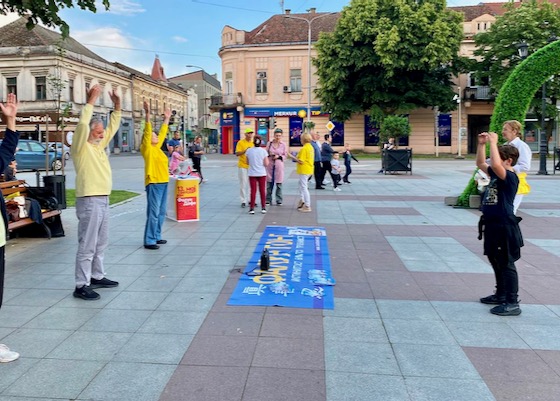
(179, 32)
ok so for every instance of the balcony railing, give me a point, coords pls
(478, 93)
(225, 101)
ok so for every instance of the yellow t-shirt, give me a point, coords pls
(93, 171)
(243, 145)
(307, 156)
(156, 170)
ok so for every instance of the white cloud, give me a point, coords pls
(121, 7)
(180, 39)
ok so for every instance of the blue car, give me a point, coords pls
(31, 155)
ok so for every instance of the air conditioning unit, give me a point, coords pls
(287, 89)
(261, 74)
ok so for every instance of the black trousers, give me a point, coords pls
(326, 168)
(507, 282)
(318, 174)
(348, 172)
(196, 166)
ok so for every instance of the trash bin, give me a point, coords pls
(57, 184)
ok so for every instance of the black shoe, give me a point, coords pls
(493, 300)
(279, 203)
(86, 293)
(319, 187)
(161, 241)
(347, 182)
(267, 203)
(506, 310)
(153, 246)
(243, 204)
(103, 283)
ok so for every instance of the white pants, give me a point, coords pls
(304, 189)
(243, 174)
(516, 202)
(93, 237)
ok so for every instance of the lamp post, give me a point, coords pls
(457, 98)
(309, 22)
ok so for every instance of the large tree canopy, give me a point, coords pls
(46, 11)
(389, 56)
(532, 22)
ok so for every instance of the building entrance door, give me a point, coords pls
(227, 140)
(477, 125)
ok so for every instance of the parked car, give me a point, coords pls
(30, 155)
(61, 149)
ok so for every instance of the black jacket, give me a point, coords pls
(7, 151)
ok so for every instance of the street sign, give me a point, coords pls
(330, 125)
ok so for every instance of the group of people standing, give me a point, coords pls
(262, 168)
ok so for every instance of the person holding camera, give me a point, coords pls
(277, 153)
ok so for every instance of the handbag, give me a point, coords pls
(12, 209)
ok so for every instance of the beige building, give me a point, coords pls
(268, 80)
(160, 94)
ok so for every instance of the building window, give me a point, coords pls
(71, 90)
(261, 82)
(295, 80)
(12, 85)
(229, 87)
(40, 88)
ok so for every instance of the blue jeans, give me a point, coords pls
(155, 212)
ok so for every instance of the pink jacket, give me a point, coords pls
(277, 165)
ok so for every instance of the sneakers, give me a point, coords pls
(103, 283)
(278, 203)
(86, 293)
(304, 209)
(151, 246)
(506, 310)
(300, 204)
(161, 241)
(347, 182)
(337, 189)
(263, 211)
(267, 203)
(243, 204)
(6, 355)
(251, 211)
(493, 300)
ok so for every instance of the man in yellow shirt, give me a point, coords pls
(243, 166)
(156, 178)
(94, 183)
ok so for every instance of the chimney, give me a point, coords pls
(312, 10)
(288, 11)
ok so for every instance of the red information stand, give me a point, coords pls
(183, 199)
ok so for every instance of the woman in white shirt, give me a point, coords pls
(511, 131)
(257, 158)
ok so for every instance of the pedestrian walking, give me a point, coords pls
(156, 179)
(93, 186)
(317, 166)
(326, 157)
(348, 156)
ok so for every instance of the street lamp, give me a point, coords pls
(309, 22)
(457, 98)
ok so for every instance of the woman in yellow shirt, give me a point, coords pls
(305, 159)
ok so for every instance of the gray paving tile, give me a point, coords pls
(410, 310)
(444, 361)
(345, 307)
(491, 335)
(357, 357)
(36, 343)
(344, 386)
(428, 389)
(142, 300)
(117, 320)
(170, 322)
(54, 378)
(128, 381)
(203, 284)
(57, 318)
(464, 311)
(17, 316)
(10, 372)
(154, 348)
(538, 336)
(354, 329)
(154, 284)
(418, 332)
(4, 331)
(90, 346)
(183, 301)
(167, 268)
(38, 297)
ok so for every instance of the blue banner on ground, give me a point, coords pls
(299, 275)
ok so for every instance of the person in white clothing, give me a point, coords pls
(511, 131)
(257, 158)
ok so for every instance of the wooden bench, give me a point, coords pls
(10, 187)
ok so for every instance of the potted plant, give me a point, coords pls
(393, 126)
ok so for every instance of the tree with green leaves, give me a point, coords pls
(389, 57)
(534, 22)
(46, 11)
